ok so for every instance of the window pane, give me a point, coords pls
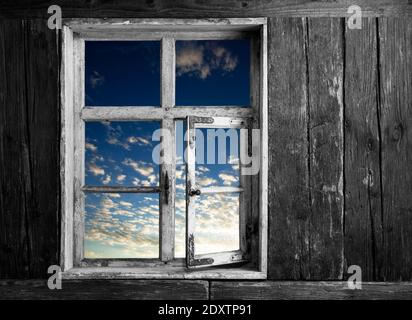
(208, 175)
(122, 73)
(121, 153)
(212, 73)
(217, 223)
(121, 225)
(217, 157)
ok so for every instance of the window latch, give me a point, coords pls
(194, 192)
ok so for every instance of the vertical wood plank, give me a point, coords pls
(190, 183)
(43, 133)
(263, 177)
(79, 151)
(14, 195)
(29, 148)
(66, 150)
(395, 48)
(363, 224)
(251, 193)
(168, 169)
(325, 74)
(288, 149)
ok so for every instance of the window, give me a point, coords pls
(164, 149)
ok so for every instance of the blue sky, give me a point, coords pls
(120, 153)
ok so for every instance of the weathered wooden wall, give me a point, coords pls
(340, 114)
(202, 8)
(29, 148)
(340, 162)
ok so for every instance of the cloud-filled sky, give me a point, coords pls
(120, 153)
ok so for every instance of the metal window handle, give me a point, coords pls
(194, 192)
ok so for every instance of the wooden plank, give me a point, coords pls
(14, 254)
(106, 290)
(212, 8)
(289, 290)
(66, 150)
(264, 149)
(131, 34)
(395, 72)
(214, 190)
(43, 133)
(120, 189)
(29, 148)
(363, 214)
(155, 113)
(253, 202)
(231, 26)
(167, 167)
(191, 200)
(173, 271)
(288, 149)
(325, 110)
(79, 152)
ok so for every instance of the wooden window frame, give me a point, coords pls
(74, 113)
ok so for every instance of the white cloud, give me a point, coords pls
(126, 204)
(107, 179)
(114, 195)
(112, 231)
(143, 168)
(233, 159)
(95, 170)
(120, 178)
(138, 140)
(136, 182)
(203, 169)
(228, 179)
(201, 60)
(117, 142)
(90, 146)
(205, 181)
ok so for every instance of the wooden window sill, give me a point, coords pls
(162, 273)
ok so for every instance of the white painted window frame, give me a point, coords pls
(74, 113)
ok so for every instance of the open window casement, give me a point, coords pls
(194, 191)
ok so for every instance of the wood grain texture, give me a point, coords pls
(300, 245)
(106, 290)
(29, 150)
(363, 213)
(325, 111)
(14, 254)
(395, 59)
(288, 150)
(283, 290)
(198, 8)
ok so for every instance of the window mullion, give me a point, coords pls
(79, 151)
(167, 167)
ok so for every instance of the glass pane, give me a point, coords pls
(217, 223)
(122, 73)
(217, 157)
(226, 150)
(121, 225)
(121, 153)
(212, 73)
